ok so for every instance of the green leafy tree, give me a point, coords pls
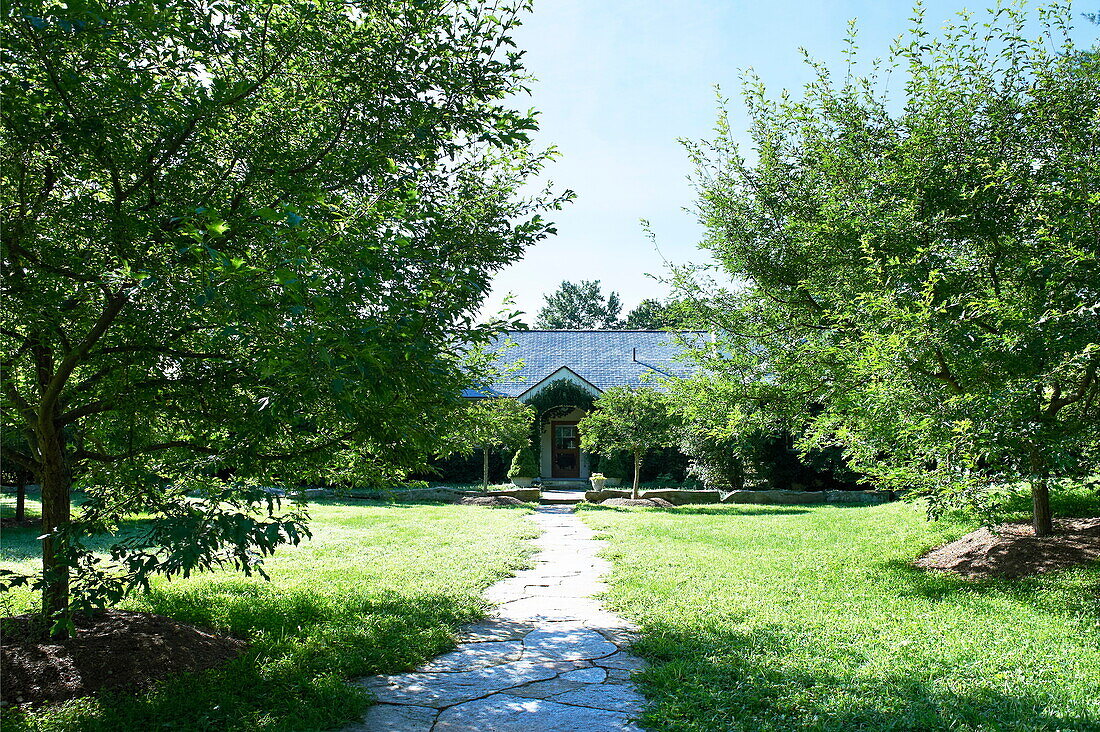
(635, 420)
(495, 423)
(240, 242)
(921, 280)
(580, 306)
(649, 315)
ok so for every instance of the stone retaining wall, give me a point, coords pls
(447, 495)
(796, 498)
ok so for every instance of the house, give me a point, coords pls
(576, 366)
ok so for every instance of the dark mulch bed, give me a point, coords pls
(491, 501)
(1013, 550)
(115, 649)
(644, 502)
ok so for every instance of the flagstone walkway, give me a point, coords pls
(550, 659)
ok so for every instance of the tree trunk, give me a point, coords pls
(56, 479)
(635, 493)
(485, 468)
(1042, 518)
(21, 501)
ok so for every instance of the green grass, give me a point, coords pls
(379, 589)
(811, 618)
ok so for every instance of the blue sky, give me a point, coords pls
(619, 81)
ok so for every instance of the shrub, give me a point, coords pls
(523, 464)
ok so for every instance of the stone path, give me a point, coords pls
(550, 659)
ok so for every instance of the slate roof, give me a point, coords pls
(603, 358)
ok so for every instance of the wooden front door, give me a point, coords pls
(565, 446)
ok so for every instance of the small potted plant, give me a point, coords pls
(523, 471)
(598, 481)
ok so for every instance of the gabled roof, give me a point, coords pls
(563, 373)
(602, 358)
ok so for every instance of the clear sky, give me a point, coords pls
(619, 81)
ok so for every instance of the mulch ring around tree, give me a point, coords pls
(1013, 550)
(116, 649)
(643, 502)
(491, 501)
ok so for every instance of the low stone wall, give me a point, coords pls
(797, 498)
(601, 496)
(774, 498)
(678, 497)
(527, 495)
(448, 495)
(866, 497)
(438, 493)
(675, 496)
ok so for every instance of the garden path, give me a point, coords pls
(550, 659)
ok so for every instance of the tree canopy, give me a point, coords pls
(240, 244)
(921, 283)
(653, 314)
(580, 306)
(635, 420)
(495, 423)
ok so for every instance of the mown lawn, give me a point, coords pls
(378, 589)
(810, 618)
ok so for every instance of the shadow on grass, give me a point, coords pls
(20, 544)
(769, 680)
(303, 647)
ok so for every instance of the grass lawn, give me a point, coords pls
(379, 589)
(810, 618)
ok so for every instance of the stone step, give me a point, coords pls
(561, 498)
(578, 484)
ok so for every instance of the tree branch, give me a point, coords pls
(97, 407)
(115, 304)
(158, 447)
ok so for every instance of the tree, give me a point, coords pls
(653, 314)
(241, 243)
(580, 306)
(495, 423)
(634, 420)
(920, 282)
(649, 315)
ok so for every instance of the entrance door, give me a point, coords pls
(566, 450)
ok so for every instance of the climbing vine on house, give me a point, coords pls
(559, 398)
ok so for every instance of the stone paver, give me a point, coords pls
(550, 658)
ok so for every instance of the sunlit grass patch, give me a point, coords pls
(811, 617)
